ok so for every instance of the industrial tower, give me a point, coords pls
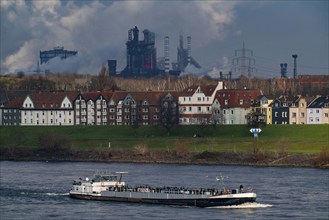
(295, 65)
(243, 63)
(141, 54)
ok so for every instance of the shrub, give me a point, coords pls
(322, 159)
(54, 143)
(140, 149)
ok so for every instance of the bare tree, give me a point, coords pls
(169, 112)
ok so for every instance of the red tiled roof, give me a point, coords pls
(51, 100)
(152, 97)
(16, 102)
(233, 97)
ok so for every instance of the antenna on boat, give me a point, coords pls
(221, 179)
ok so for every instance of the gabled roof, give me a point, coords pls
(152, 97)
(319, 102)
(208, 90)
(95, 95)
(50, 100)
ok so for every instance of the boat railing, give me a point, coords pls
(170, 190)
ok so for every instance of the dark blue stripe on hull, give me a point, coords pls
(179, 202)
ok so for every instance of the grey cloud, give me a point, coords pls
(98, 29)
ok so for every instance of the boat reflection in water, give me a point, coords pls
(110, 187)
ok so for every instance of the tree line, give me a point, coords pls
(102, 82)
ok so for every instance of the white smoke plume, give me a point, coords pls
(98, 29)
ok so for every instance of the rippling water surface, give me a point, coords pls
(39, 190)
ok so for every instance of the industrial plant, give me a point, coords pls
(142, 57)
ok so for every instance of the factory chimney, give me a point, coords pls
(295, 65)
(181, 54)
(166, 55)
(189, 49)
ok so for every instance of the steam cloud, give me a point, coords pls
(98, 29)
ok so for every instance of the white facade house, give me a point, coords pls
(195, 104)
(317, 109)
(235, 116)
(298, 111)
(47, 109)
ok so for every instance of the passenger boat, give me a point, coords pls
(110, 187)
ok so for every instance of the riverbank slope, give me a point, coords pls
(277, 145)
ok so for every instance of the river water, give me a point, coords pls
(39, 190)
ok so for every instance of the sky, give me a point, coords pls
(98, 30)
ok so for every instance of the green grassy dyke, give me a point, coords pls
(228, 138)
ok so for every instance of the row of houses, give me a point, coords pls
(197, 105)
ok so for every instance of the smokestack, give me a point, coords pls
(166, 55)
(181, 54)
(189, 49)
(295, 65)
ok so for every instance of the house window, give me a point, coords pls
(326, 115)
(199, 109)
(190, 109)
(241, 101)
(275, 114)
(232, 112)
(199, 99)
(317, 119)
(226, 102)
(294, 114)
(145, 117)
(156, 117)
(302, 114)
(317, 111)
